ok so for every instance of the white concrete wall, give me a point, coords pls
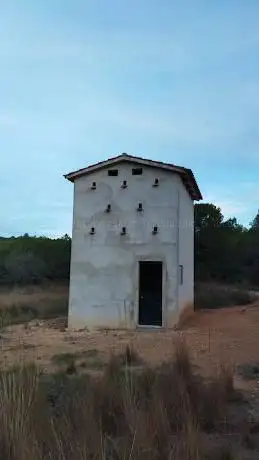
(104, 267)
(186, 250)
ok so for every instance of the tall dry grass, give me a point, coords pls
(20, 305)
(157, 414)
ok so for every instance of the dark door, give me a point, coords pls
(150, 293)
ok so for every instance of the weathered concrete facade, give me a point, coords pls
(104, 279)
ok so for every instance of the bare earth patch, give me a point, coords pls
(215, 336)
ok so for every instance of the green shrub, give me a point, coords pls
(213, 295)
(64, 358)
(17, 314)
(87, 359)
(249, 371)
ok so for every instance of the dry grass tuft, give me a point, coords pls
(129, 357)
(19, 306)
(186, 316)
(150, 415)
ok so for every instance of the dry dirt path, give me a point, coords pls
(226, 335)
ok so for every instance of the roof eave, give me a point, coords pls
(69, 177)
(185, 173)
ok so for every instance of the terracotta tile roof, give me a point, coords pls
(185, 174)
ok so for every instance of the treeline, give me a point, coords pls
(224, 251)
(29, 259)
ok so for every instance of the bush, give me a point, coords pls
(213, 295)
(17, 314)
(88, 359)
(29, 259)
(249, 371)
(25, 268)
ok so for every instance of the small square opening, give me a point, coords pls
(137, 171)
(113, 172)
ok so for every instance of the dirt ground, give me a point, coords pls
(214, 337)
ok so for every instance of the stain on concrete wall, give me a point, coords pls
(186, 250)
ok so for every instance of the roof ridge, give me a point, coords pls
(186, 174)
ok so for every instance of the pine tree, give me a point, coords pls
(255, 222)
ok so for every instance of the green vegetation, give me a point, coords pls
(64, 358)
(164, 413)
(225, 252)
(86, 359)
(215, 295)
(28, 259)
(249, 371)
(71, 362)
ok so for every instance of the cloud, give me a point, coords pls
(230, 208)
(238, 200)
(80, 82)
(163, 85)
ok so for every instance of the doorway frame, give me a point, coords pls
(137, 272)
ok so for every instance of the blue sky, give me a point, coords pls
(84, 80)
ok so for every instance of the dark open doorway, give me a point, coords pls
(150, 293)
